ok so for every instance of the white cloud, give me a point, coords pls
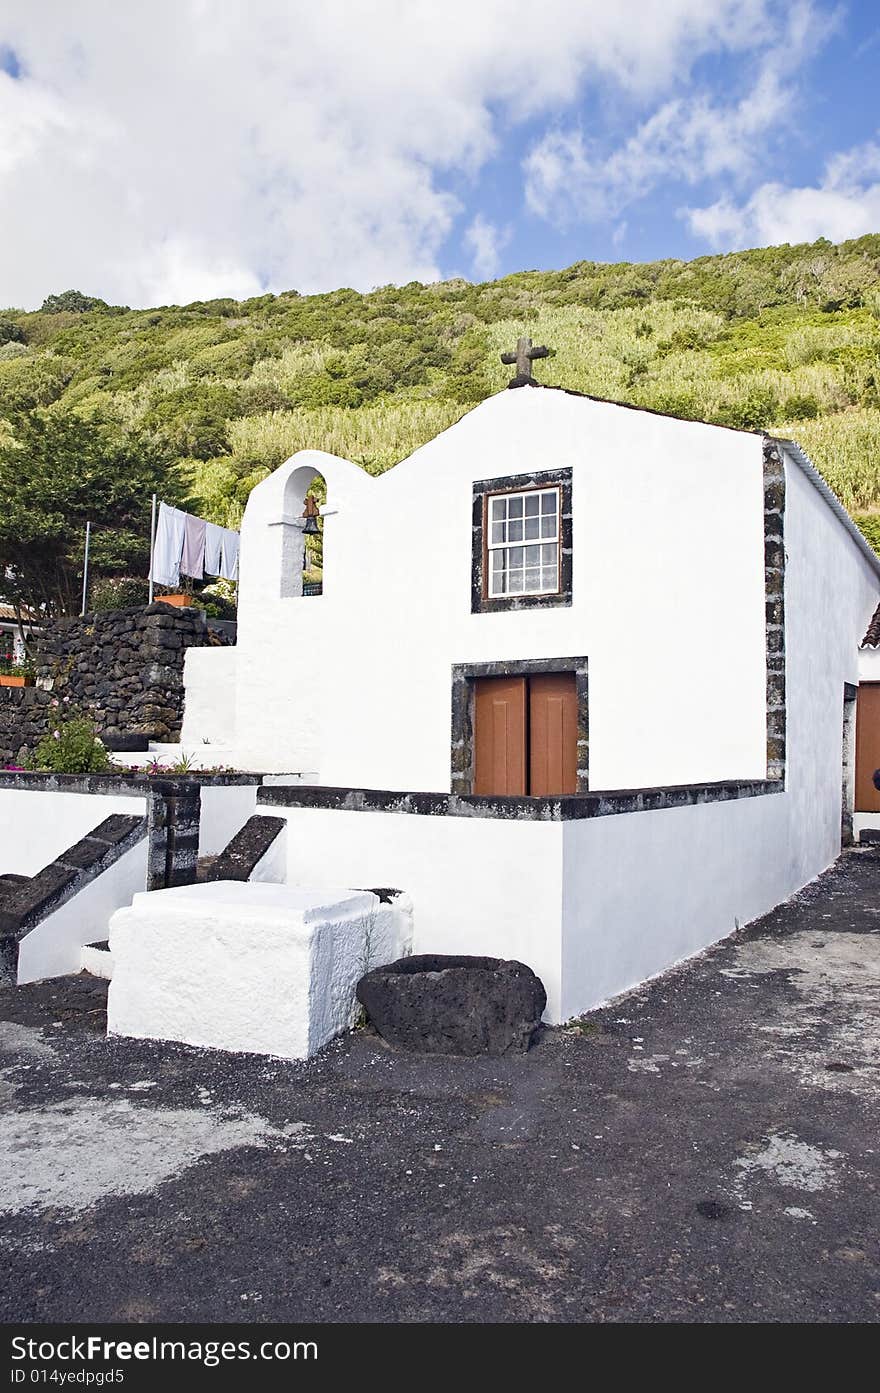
(571, 178)
(844, 204)
(192, 148)
(485, 242)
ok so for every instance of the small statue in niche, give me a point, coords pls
(311, 513)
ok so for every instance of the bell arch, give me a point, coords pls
(300, 556)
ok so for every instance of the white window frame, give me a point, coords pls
(506, 545)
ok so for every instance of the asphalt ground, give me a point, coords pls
(704, 1149)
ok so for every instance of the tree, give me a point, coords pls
(58, 471)
(72, 302)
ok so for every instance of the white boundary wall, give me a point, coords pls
(36, 825)
(478, 885)
(225, 810)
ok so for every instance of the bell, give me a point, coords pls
(311, 527)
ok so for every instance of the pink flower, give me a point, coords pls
(56, 734)
(66, 701)
(54, 702)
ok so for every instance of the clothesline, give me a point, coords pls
(190, 546)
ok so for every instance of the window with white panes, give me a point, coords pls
(523, 543)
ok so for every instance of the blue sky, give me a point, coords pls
(836, 108)
(197, 148)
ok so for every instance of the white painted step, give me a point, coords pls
(97, 961)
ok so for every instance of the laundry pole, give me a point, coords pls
(152, 544)
(86, 568)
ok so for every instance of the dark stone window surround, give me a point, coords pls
(520, 483)
(464, 675)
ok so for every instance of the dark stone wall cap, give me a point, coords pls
(247, 848)
(122, 785)
(573, 808)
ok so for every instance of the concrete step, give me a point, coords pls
(97, 959)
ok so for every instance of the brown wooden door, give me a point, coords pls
(500, 735)
(552, 734)
(867, 747)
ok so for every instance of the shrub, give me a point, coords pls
(216, 606)
(70, 746)
(870, 526)
(800, 408)
(119, 592)
(10, 332)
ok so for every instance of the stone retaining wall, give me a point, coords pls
(125, 667)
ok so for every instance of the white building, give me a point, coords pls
(597, 711)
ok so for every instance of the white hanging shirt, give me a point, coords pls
(192, 562)
(229, 557)
(213, 549)
(168, 546)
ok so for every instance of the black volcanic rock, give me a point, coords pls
(439, 1004)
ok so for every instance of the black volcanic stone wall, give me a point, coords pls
(124, 667)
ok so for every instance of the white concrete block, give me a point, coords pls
(244, 966)
(97, 961)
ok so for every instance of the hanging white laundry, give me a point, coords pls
(213, 549)
(229, 557)
(192, 562)
(168, 546)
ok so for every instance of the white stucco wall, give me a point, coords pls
(647, 890)
(36, 825)
(209, 710)
(478, 885)
(668, 600)
(869, 665)
(52, 949)
(225, 810)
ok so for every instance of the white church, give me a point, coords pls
(581, 681)
(586, 686)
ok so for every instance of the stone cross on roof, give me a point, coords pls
(523, 357)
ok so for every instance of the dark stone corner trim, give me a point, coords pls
(774, 596)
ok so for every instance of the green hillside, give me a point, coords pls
(218, 393)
